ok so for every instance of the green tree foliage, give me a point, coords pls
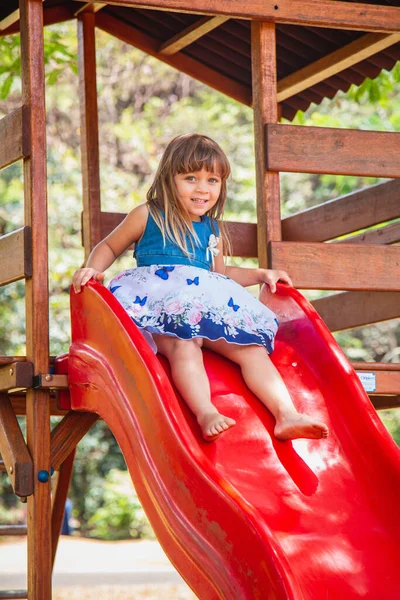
(391, 419)
(142, 105)
(58, 51)
(121, 515)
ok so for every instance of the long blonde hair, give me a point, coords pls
(186, 154)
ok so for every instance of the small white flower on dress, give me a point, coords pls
(213, 242)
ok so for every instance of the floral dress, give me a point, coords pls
(169, 294)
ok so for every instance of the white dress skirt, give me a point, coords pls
(189, 302)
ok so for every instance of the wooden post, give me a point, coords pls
(60, 494)
(89, 130)
(263, 58)
(37, 300)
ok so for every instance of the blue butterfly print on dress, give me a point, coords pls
(163, 272)
(234, 306)
(142, 301)
(114, 288)
(195, 281)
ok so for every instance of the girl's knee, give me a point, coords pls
(189, 346)
(249, 354)
(174, 347)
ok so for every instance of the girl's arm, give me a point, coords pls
(246, 277)
(104, 254)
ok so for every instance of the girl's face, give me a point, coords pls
(198, 191)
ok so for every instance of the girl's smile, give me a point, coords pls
(198, 191)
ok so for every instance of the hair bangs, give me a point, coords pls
(203, 154)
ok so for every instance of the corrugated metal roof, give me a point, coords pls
(227, 48)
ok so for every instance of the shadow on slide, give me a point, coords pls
(249, 517)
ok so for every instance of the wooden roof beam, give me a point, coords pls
(334, 63)
(9, 20)
(191, 34)
(91, 6)
(53, 14)
(316, 13)
(185, 64)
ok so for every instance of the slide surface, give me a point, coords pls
(249, 517)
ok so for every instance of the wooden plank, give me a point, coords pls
(16, 375)
(90, 7)
(68, 433)
(109, 221)
(9, 20)
(89, 131)
(16, 255)
(185, 64)
(18, 401)
(355, 309)
(6, 360)
(361, 209)
(35, 192)
(334, 63)
(37, 299)
(263, 64)
(317, 13)
(14, 136)
(14, 595)
(382, 235)
(301, 149)
(13, 530)
(385, 402)
(191, 34)
(14, 451)
(338, 266)
(59, 498)
(376, 366)
(50, 381)
(387, 382)
(53, 14)
(243, 235)
(243, 238)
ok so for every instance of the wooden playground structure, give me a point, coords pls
(276, 56)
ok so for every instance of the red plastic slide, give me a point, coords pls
(249, 517)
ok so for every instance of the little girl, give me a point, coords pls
(183, 297)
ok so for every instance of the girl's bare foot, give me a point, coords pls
(300, 426)
(213, 424)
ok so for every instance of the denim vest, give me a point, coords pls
(151, 250)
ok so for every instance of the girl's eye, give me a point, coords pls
(213, 180)
(190, 178)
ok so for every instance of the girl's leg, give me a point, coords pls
(265, 382)
(186, 360)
